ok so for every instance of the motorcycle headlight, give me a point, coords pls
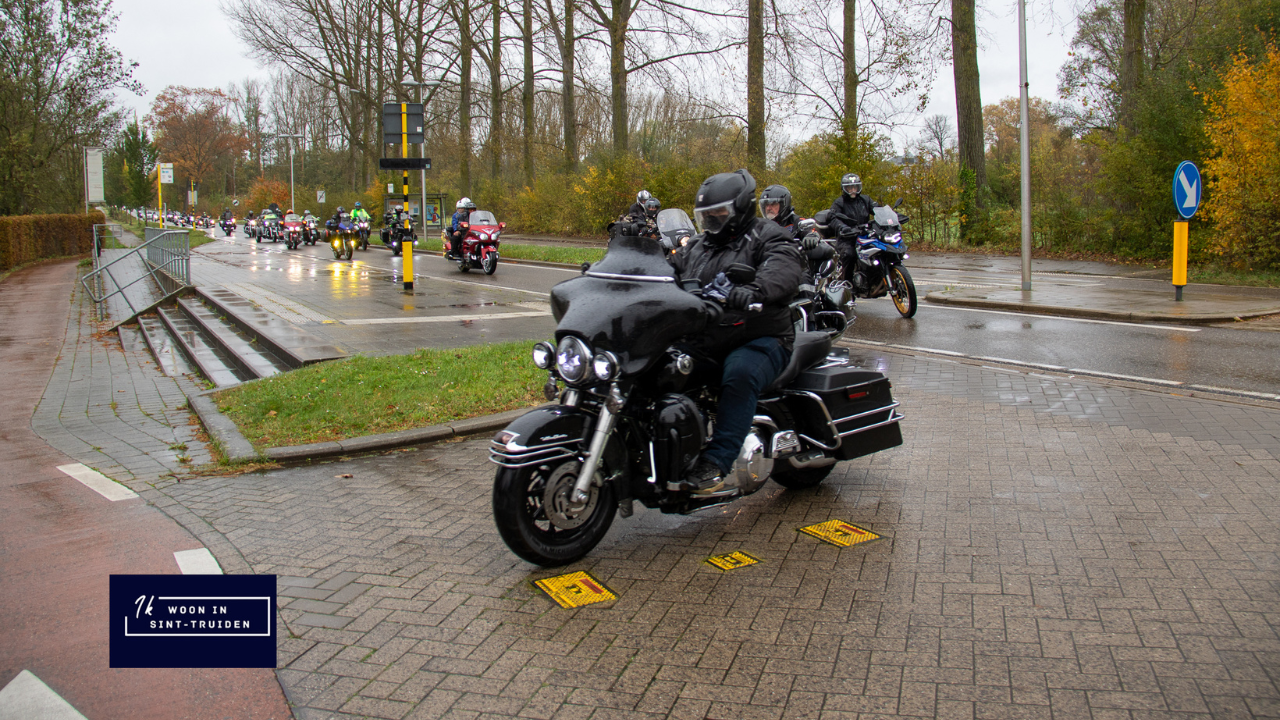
(483, 236)
(573, 357)
(893, 239)
(543, 355)
(605, 365)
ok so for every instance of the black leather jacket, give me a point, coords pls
(776, 258)
(857, 209)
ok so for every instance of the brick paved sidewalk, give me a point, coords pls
(1051, 549)
(109, 407)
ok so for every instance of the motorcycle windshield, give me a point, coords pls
(673, 219)
(885, 216)
(627, 303)
(482, 217)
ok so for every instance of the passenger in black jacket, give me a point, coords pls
(753, 346)
(849, 213)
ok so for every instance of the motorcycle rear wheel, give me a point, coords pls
(524, 522)
(902, 290)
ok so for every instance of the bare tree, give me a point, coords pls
(938, 133)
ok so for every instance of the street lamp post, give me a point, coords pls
(290, 136)
(1024, 142)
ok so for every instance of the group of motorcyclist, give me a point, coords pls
(753, 339)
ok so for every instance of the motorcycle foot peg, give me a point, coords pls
(626, 507)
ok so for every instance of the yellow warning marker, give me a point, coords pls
(839, 533)
(733, 561)
(575, 590)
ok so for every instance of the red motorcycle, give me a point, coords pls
(293, 231)
(480, 243)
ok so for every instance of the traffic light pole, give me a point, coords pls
(407, 254)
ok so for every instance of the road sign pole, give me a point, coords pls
(1179, 258)
(407, 250)
(159, 200)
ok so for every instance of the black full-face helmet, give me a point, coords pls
(652, 206)
(775, 203)
(851, 184)
(725, 204)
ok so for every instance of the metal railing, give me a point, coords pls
(167, 257)
(100, 234)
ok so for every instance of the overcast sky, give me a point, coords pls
(196, 48)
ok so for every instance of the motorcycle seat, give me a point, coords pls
(809, 349)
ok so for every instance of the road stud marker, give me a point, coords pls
(839, 533)
(733, 561)
(575, 590)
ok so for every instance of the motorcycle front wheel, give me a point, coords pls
(350, 246)
(337, 252)
(902, 290)
(490, 263)
(535, 520)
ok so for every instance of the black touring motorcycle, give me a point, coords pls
(636, 409)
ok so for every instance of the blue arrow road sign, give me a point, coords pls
(1186, 189)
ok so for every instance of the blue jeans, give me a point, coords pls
(748, 370)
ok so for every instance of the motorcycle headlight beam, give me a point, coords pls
(605, 366)
(573, 359)
(543, 355)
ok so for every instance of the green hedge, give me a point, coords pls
(24, 238)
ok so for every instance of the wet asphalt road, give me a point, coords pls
(1236, 358)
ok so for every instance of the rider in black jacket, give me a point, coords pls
(775, 205)
(849, 213)
(753, 346)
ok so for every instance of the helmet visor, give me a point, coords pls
(770, 208)
(713, 218)
(853, 188)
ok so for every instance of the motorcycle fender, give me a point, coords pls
(540, 435)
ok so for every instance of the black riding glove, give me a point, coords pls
(740, 297)
(810, 241)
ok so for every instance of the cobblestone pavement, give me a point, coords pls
(1051, 549)
(109, 407)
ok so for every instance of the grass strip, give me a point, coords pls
(369, 395)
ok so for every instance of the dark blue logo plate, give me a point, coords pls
(193, 621)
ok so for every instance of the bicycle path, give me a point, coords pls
(61, 540)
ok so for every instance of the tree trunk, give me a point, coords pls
(969, 131)
(568, 104)
(495, 82)
(1132, 58)
(618, 74)
(755, 86)
(464, 101)
(527, 96)
(850, 71)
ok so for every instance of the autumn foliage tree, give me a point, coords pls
(194, 131)
(1243, 167)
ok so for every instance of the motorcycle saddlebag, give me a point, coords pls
(861, 406)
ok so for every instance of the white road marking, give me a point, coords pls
(1250, 393)
(1070, 319)
(197, 562)
(26, 697)
(99, 483)
(443, 318)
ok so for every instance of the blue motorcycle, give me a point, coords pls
(881, 250)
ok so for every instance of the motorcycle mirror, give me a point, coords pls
(897, 204)
(807, 225)
(740, 274)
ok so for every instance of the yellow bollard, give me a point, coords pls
(406, 251)
(1179, 258)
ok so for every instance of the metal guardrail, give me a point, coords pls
(167, 256)
(101, 232)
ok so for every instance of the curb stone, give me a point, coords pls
(238, 449)
(224, 431)
(1092, 314)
